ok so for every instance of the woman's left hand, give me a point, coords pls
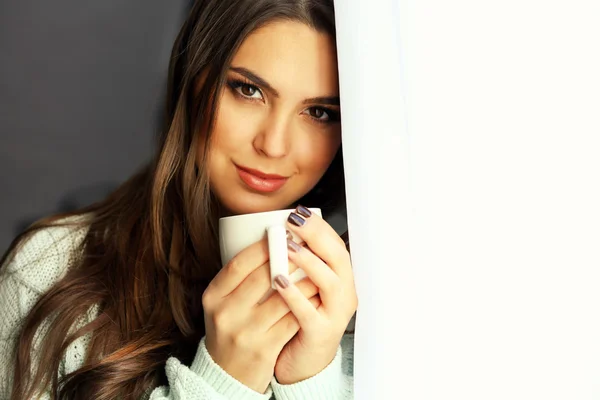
(326, 262)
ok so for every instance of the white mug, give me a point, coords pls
(240, 231)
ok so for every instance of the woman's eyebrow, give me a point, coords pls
(255, 78)
(327, 100)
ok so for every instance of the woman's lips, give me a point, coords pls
(260, 181)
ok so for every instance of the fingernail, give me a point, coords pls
(295, 247)
(296, 219)
(288, 234)
(282, 281)
(305, 212)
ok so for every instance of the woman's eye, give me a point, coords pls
(248, 90)
(322, 114)
(318, 113)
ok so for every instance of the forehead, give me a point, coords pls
(293, 57)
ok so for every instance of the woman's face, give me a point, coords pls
(277, 126)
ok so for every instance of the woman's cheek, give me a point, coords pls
(330, 143)
(233, 123)
(317, 155)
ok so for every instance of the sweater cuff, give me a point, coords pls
(326, 385)
(220, 380)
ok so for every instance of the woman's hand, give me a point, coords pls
(326, 262)
(244, 337)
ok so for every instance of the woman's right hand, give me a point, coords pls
(244, 337)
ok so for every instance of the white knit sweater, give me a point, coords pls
(44, 259)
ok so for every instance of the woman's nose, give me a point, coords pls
(273, 138)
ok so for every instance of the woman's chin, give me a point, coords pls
(251, 206)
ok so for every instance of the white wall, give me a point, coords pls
(472, 146)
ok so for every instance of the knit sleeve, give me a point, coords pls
(335, 382)
(203, 380)
(39, 262)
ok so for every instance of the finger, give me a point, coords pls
(253, 289)
(250, 291)
(240, 266)
(322, 240)
(276, 308)
(295, 275)
(299, 305)
(328, 282)
(287, 326)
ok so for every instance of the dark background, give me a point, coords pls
(81, 96)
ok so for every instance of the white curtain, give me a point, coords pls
(472, 150)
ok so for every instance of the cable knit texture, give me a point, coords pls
(44, 259)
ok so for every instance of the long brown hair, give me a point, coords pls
(150, 249)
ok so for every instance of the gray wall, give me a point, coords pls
(81, 92)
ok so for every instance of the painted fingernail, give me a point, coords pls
(305, 212)
(296, 219)
(288, 234)
(282, 281)
(295, 247)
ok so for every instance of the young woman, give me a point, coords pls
(126, 299)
